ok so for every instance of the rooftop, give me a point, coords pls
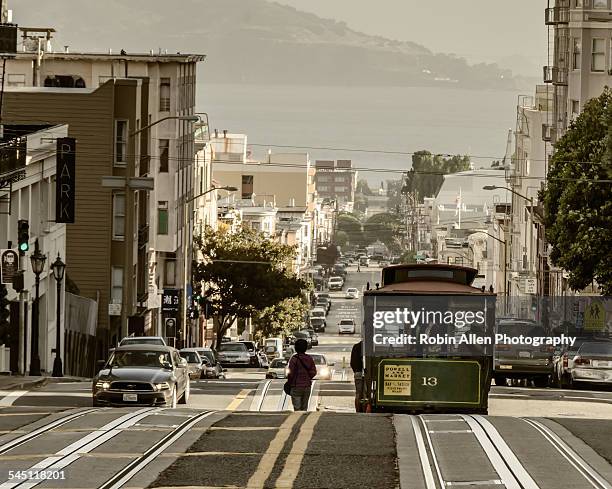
(136, 57)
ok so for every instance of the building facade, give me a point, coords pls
(336, 180)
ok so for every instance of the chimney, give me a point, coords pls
(110, 51)
(216, 133)
(66, 49)
(224, 133)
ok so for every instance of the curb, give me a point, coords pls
(26, 385)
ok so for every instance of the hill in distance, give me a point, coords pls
(256, 42)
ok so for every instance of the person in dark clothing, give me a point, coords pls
(357, 367)
(302, 370)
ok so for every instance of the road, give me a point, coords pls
(241, 432)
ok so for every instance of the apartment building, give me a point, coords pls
(131, 114)
(336, 180)
(27, 192)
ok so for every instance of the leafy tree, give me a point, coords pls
(383, 227)
(342, 238)
(577, 206)
(245, 272)
(352, 227)
(280, 319)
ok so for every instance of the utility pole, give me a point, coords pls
(3, 11)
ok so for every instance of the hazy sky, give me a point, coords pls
(475, 29)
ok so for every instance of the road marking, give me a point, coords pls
(450, 431)
(264, 469)
(264, 390)
(313, 399)
(242, 395)
(296, 455)
(570, 455)
(434, 458)
(10, 397)
(495, 482)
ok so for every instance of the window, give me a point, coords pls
(323, 188)
(576, 54)
(578, 3)
(575, 107)
(170, 272)
(247, 186)
(118, 216)
(117, 285)
(598, 60)
(164, 145)
(162, 217)
(339, 179)
(15, 80)
(340, 189)
(164, 95)
(121, 139)
(600, 3)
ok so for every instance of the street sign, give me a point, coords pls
(595, 316)
(531, 286)
(171, 300)
(114, 309)
(10, 265)
(65, 180)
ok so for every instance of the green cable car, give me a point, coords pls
(428, 340)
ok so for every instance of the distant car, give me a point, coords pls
(143, 340)
(142, 375)
(318, 312)
(314, 338)
(335, 283)
(318, 324)
(323, 299)
(234, 354)
(352, 293)
(383, 264)
(211, 368)
(277, 368)
(346, 326)
(324, 372)
(364, 261)
(593, 364)
(194, 362)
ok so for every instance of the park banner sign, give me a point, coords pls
(10, 265)
(8, 40)
(65, 180)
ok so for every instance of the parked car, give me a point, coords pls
(364, 261)
(335, 283)
(314, 338)
(522, 361)
(211, 368)
(592, 364)
(324, 297)
(318, 324)
(346, 326)
(324, 371)
(136, 375)
(563, 361)
(194, 362)
(235, 354)
(143, 340)
(323, 303)
(352, 293)
(255, 360)
(277, 368)
(303, 335)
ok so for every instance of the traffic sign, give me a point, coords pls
(10, 265)
(595, 316)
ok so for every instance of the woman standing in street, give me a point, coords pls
(302, 370)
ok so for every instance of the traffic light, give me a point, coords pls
(23, 234)
(5, 304)
(18, 284)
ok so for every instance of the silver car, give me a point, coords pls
(593, 363)
(194, 362)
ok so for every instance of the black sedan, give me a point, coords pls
(138, 375)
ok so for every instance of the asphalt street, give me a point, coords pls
(240, 432)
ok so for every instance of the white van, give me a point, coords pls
(318, 312)
(335, 283)
(273, 348)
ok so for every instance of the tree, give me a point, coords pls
(577, 205)
(383, 227)
(280, 319)
(244, 272)
(353, 229)
(342, 238)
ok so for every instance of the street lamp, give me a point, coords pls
(185, 264)
(58, 267)
(38, 265)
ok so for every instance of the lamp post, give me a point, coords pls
(185, 264)
(38, 265)
(58, 267)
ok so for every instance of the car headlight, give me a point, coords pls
(325, 371)
(287, 371)
(102, 385)
(161, 386)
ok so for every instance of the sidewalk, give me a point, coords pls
(26, 382)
